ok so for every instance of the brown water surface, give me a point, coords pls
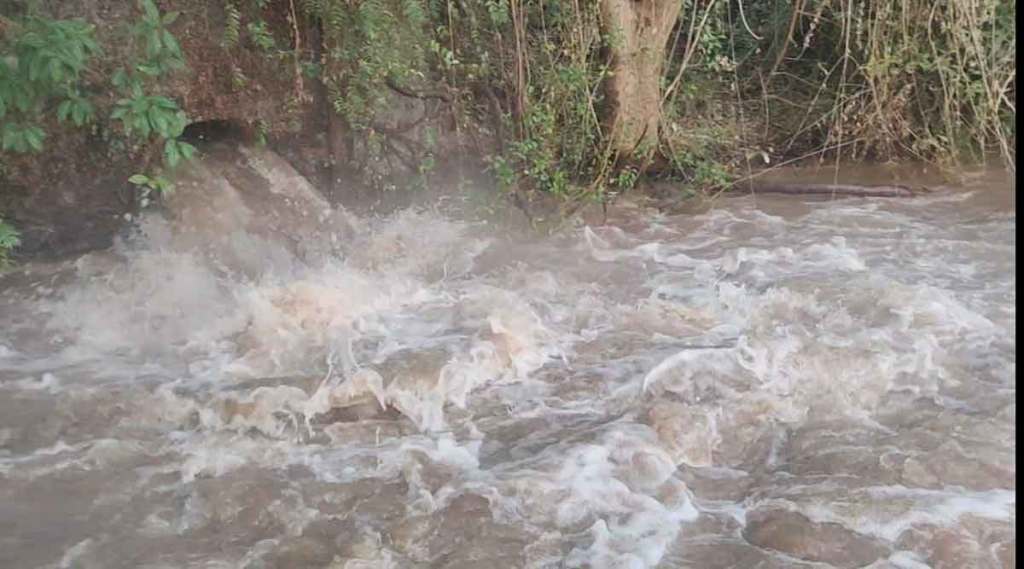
(774, 383)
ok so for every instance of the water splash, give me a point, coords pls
(752, 385)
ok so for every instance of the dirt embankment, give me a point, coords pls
(73, 196)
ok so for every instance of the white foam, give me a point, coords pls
(905, 508)
(574, 408)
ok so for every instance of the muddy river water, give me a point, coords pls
(776, 382)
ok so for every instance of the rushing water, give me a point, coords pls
(774, 383)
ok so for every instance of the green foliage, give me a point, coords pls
(371, 44)
(175, 151)
(262, 131)
(77, 109)
(549, 112)
(149, 185)
(626, 179)
(503, 172)
(41, 65)
(162, 51)
(9, 239)
(536, 155)
(156, 182)
(261, 36)
(562, 142)
(559, 146)
(238, 78)
(147, 116)
(21, 137)
(257, 31)
(890, 78)
(233, 24)
(875, 78)
(42, 62)
(701, 171)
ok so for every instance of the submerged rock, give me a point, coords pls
(796, 535)
(687, 432)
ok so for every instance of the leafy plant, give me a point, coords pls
(9, 239)
(373, 45)
(162, 50)
(149, 185)
(233, 24)
(261, 36)
(626, 179)
(41, 64)
(156, 182)
(175, 151)
(888, 79)
(262, 131)
(146, 116)
(77, 109)
(21, 137)
(149, 114)
(558, 145)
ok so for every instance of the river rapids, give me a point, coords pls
(255, 381)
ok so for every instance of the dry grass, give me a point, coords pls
(902, 78)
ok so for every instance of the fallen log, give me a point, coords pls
(847, 190)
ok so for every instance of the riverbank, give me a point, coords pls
(522, 101)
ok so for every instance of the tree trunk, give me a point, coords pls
(638, 32)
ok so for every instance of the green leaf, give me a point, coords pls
(88, 42)
(34, 137)
(163, 185)
(11, 136)
(64, 111)
(152, 12)
(186, 150)
(150, 70)
(165, 103)
(120, 79)
(159, 120)
(80, 113)
(9, 237)
(139, 179)
(178, 125)
(171, 154)
(153, 43)
(56, 71)
(23, 100)
(142, 124)
(171, 43)
(139, 104)
(36, 67)
(170, 17)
